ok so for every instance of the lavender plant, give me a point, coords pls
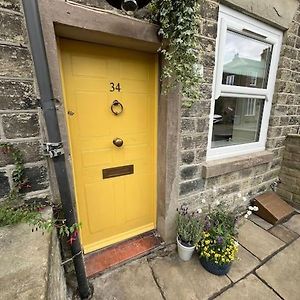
(189, 225)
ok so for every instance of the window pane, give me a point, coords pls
(236, 121)
(246, 61)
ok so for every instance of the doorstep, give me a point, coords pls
(118, 254)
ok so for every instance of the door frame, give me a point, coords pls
(75, 21)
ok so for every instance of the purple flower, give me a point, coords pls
(219, 240)
(207, 225)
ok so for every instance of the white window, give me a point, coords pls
(230, 80)
(252, 78)
(251, 107)
(247, 54)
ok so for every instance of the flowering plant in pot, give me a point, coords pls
(218, 247)
(189, 229)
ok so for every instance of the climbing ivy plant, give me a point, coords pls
(14, 210)
(179, 28)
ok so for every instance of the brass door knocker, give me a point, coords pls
(116, 107)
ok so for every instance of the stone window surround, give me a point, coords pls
(69, 20)
(231, 19)
(224, 166)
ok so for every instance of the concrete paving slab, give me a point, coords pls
(260, 222)
(245, 264)
(24, 263)
(250, 288)
(185, 280)
(294, 223)
(258, 241)
(282, 272)
(283, 233)
(132, 281)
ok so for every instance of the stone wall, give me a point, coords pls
(19, 109)
(289, 188)
(285, 117)
(56, 284)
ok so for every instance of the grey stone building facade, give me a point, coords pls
(184, 173)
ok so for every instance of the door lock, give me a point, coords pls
(118, 142)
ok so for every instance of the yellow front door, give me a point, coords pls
(110, 103)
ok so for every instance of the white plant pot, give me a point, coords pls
(185, 253)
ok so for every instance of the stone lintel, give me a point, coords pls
(228, 165)
(277, 13)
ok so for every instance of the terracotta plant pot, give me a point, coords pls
(214, 268)
(185, 252)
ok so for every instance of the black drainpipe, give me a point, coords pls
(48, 106)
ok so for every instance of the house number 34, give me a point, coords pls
(115, 87)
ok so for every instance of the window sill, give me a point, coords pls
(219, 167)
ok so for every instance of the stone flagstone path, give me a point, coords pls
(268, 268)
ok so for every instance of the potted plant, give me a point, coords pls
(218, 247)
(189, 229)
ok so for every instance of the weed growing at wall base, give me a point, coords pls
(14, 210)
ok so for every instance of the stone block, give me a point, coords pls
(293, 223)
(185, 280)
(31, 151)
(187, 157)
(249, 288)
(24, 263)
(127, 283)
(291, 156)
(11, 27)
(290, 172)
(245, 263)
(187, 125)
(197, 109)
(202, 125)
(4, 184)
(17, 95)
(209, 45)
(11, 4)
(38, 200)
(37, 179)
(223, 166)
(209, 10)
(20, 125)
(283, 233)
(102, 4)
(189, 172)
(193, 142)
(209, 29)
(291, 164)
(187, 143)
(258, 241)
(190, 186)
(229, 189)
(289, 52)
(200, 155)
(260, 222)
(15, 62)
(282, 271)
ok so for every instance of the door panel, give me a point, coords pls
(116, 208)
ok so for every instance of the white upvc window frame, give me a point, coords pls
(230, 19)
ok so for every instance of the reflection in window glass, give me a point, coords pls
(236, 121)
(246, 61)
